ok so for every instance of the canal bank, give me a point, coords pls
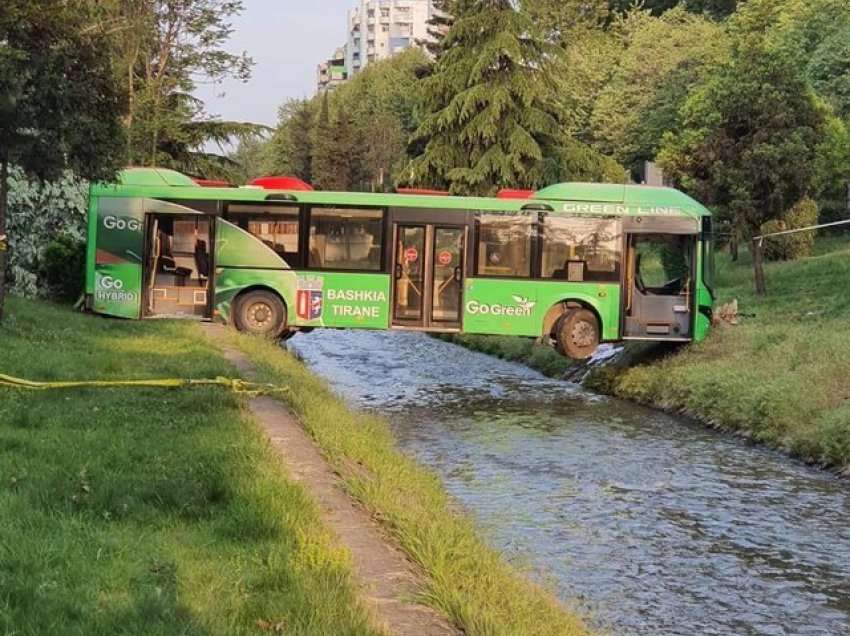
(148, 510)
(781, 377)
(655, 524)
(463, 576)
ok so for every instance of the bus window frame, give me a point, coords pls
(307, 214)
(535, 252)
(237, 217)
(541, 244)
(708, 256)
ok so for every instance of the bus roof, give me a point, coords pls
(571, 198)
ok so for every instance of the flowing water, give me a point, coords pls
(652, 524)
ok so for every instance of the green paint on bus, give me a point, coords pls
(636, 258)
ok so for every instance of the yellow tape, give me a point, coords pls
(234, 384)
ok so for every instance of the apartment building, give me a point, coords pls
(378, 29)
(332, 73)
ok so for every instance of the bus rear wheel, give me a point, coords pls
(261, 313)
(577, 334)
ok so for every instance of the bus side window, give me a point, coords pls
(346, 238)
(276, 226)
(581, 249)
(505, 245)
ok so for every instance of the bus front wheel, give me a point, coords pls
(577, 334)
(261, 313)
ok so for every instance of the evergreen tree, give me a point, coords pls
(490, 116)
(290, 149)
(323, 148)
(335, 162)
(439, 24)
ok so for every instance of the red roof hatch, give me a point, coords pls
(282, 183)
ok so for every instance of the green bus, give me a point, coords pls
(574, 264)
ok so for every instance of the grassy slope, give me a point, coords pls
(467, 580)
(144, 511)
(781, 377)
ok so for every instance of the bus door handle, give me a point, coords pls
(399, 272)
(458, 274)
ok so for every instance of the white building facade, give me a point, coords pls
(378, 29)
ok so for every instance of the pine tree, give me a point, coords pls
(323, 149)
(439, 24)
(290, 149)
(336, 160)
(490, 117)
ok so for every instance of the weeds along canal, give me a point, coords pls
(654, 525)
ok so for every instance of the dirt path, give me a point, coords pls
(387, 580)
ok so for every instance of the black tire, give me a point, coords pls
(577, 334)
(261, 313)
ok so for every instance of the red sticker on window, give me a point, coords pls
(444, 257)
(411, 254)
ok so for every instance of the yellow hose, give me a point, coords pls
(234, 384)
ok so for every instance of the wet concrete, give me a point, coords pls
(655, 525)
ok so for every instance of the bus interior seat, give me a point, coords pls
(202, 259)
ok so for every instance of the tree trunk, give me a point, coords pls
(4, 243)
(733, 249)
(758, 267)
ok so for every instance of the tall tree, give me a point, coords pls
(749, 138)
(290, 149)
(164, 48)
(829, 69)
(490, 113)
(249, 159)
(333, 150)
(440, 22)
(661, 60)
(60, 105)
(561, 18)
(714, 8)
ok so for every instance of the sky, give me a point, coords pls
(287, 39)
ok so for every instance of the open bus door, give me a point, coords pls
(658, 287)
(178, 263)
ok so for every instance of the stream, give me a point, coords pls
(648, 524)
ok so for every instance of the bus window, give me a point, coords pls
(275, 226)
(581, 249)
(346, 238)
(663, 264)
(504, 245)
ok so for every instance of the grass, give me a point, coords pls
(526, 351)
(143, 511)
(781, 377)
(466, 579)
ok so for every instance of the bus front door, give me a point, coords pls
(658, 299)
(177, 268)
(428, 276)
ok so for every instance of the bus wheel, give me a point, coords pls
(577, 334)
(261, 313)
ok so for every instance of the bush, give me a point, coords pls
(39, 211)
(790, 247)
(63, 268)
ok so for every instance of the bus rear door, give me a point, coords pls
(428, 270)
